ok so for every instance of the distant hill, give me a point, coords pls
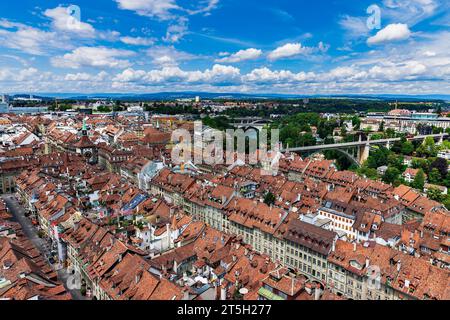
(211, 95)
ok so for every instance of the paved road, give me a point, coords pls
(18, 213)
(29, 230)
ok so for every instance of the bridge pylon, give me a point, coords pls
(363, 153)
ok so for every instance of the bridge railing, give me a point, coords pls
(362, 143)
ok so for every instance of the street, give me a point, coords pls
(18, 213)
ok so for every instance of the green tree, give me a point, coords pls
(220, 123)
(306, 140)
(118, 106)
(428, 148)
(392, 174)
(378, 158)
(434, 176)
(269, 198)
(396, 161)
(446, 201)
(407, 148)
(419, 180)
(437, 130)
(326, 128)
(290, 134)
(419, 163)
(377, 136)
(445, 144)
(441, 165)
(368, 172)
(390, 133)
(356, 122)
(435, 194)
(104, 109)
(397, 147)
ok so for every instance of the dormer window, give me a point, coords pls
(355, 264)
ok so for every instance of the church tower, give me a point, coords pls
(86, 147)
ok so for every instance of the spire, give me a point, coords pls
(84, 128)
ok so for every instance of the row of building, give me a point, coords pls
(215, 232)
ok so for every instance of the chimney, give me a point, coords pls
(333, 246)
(354, 246)
(317, 292)
(186, 294)
(399, 265)
(367, 262)
(218, 289)
(223, 293)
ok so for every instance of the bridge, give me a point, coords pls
(362, 147)
(256, 123)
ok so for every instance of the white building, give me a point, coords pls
(29, 99)
(444, 154)
(341, 223)
(135, 109)
(410, 174)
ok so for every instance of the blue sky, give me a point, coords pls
(269, 46)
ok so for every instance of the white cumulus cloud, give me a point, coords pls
(218, 74)
(288, 50)
(137, 41)
(31, 40)
(83, 76)
(242, 55)
(153, 8)
(99, 57)
(63, 21)
(175, 32)
(392, 32)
